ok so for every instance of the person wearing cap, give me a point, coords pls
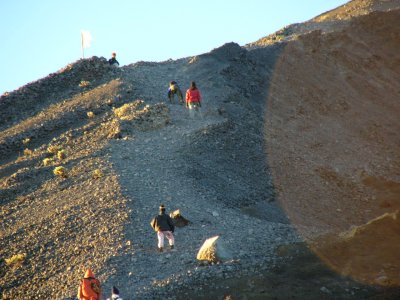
(114, 294)
(90, 288)
(113, 61)
(164, 226)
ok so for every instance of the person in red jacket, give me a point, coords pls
(90, 288)
(193, 97)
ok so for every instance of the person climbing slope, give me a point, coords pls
(164, 226)
(174, 90)
(193, 97)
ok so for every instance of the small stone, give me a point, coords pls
(325, 290)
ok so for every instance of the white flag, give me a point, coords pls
(85, 38)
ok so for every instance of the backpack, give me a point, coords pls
(95, 285)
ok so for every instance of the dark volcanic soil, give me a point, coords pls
(302, 276)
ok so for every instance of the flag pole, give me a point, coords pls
(83, 51)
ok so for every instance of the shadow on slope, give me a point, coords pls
(332, 123)
(302, 276)
(229, 159)
(368, 251)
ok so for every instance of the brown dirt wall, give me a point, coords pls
(332, 127)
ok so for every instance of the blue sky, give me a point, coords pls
(40, 37)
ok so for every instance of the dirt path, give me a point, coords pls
(153, 168)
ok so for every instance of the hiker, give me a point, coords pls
(114, 294)
(90, 288)
(193, 97)
(164, 226)
(113, 61)
(174, 90)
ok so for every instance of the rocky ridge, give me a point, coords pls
(65, 224)
(334, 20)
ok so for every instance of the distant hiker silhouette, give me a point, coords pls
(90, 288)
(164, 226)
(193, 98)
(174, 90)
(114, 294)
(113, 61)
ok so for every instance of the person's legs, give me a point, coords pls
(191, 110)
(170, 238)
(170, 96)
(160, 236)
(180, 96)
(194, 109)
(199, 112)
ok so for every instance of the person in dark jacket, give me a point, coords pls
(174, 90)
(164, 226)
(113, 61)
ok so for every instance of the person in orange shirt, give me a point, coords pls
(90, 288)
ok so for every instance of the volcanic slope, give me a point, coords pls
(128, 150)
(125, 151)
(334, 20)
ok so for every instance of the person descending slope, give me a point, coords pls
(164, 226)
(174, 90)
(90, 288)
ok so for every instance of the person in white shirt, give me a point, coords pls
(114, 294)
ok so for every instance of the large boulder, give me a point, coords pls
(179, 220)
(214, 250)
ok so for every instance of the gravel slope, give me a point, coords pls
(179, 166)
(215, 167)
